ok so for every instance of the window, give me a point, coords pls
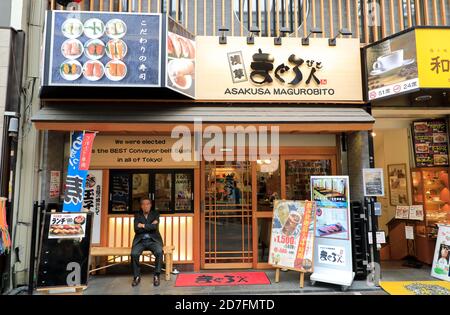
(171, 191)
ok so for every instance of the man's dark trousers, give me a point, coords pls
(142, 245)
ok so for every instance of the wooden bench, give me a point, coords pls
(126, 251)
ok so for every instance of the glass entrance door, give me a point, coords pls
(227, 215)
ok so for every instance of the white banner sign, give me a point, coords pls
(93, 202)
(67, 225)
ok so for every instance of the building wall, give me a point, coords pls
(5, 40)
(391, 147)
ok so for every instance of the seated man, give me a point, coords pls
(147, 238)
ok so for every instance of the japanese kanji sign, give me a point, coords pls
(318, 72)
(67, 225)
(292, 236)
(75, 180)
(92, 201)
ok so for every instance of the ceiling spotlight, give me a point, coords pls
(283, 32)
(251, 36)
(223, 38)
(315, 30)
(344, 31)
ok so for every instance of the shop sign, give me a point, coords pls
(288, 72)
(333, 245)
(433, 54)
(180, 63)
(430, 143)
(93, 201)
(292, 236)
(103, 49)
(121, 151)
(379, 235)
(391, 66)
(67, 225)
(75, 180)
(441, 260)
(373, 182)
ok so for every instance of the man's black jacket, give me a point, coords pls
(151, 229)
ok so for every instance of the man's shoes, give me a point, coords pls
(156, 280)
(136, 281)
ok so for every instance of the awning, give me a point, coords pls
(162, 119)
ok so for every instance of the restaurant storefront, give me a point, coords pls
(305, 101)
(407, 77)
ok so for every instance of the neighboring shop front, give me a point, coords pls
(216, 210)
(408, 79)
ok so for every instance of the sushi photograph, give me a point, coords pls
(72, 28)
(181, 73)
(94, 28)
(115, 70)
(93, 70)
(72, 49)
(116, 49)
(70, 70)
(180, 47)
(116, 28)
(94, 49)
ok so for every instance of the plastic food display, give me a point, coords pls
(431, 189)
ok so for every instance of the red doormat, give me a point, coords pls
(221, 279)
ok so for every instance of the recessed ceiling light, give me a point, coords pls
(423, 98)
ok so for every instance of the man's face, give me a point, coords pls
(146, 205)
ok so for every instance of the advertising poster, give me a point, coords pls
(430, 143)
(93, 201)
(292, 237)
(409, 232)
(373, 182)
(402, 212)
(441, 260)
(105, 49)
(398, 189)
(332, 244)
(67, 225)
(416, 212)
(380, 236)
(332, 210)
(55, 184)
(180, 59)
(391, 66)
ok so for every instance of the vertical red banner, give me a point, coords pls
(86, 151)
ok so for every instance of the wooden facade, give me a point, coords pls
(368, 20)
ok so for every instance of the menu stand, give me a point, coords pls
(302, 276)
(411, 259)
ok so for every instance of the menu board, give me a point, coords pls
(441, 260)
(120, 190)
(105, 49)
(430, 143)
(292, 237)
(64, 261)
(67, 225)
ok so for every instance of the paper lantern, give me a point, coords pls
(443, 177)
(445, 195)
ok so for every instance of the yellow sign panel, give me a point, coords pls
(433, 54)
(236, 71)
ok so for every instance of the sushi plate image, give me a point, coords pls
(72, 49)
(116, 28)
(180, 47)
(116, 49)
(180, 73)
(93, 70)
(94, 49)
(330, 229)
(72, 28)
(115, 70)
(71, 70)
(94, 28)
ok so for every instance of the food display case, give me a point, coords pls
(430, 189)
